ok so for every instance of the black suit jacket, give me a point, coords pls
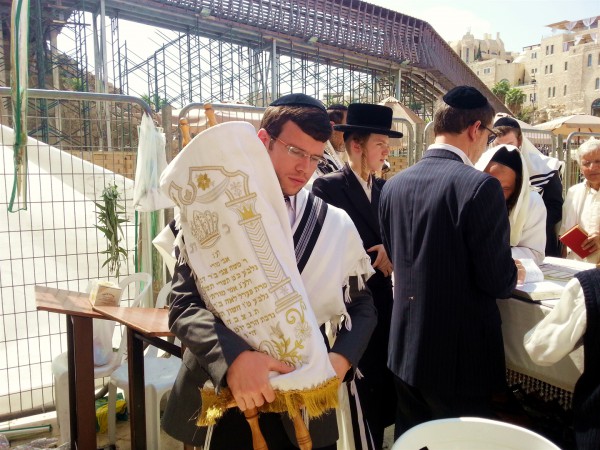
(446, 229)
(211, 348)
(342, 189)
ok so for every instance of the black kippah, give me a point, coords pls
(507, 122)
(299, 100)
(465, 97)
(509, 158)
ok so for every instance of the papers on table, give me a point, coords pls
(547, 281)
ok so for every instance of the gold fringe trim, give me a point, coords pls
(317, 401)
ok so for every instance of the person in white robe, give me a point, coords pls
(582, 204)
(545, 174)
(526, 210)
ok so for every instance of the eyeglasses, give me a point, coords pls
(299, 153)
(492, 136)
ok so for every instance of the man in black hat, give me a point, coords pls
(294, 130)
(445, 227)
(356, 190)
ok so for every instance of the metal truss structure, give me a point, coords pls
(252, 51)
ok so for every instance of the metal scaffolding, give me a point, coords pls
(255, 50)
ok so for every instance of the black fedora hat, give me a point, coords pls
(369, 118)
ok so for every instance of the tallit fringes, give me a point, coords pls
(315, 401)
(208, 438)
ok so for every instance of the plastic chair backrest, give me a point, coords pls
(163, 295)
(141, 299)
(143, 295)
(471, 433)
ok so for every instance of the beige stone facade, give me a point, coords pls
(560, 75)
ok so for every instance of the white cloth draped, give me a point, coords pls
(582, 206)
(528, 216)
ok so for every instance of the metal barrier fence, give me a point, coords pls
(78, 144)
(196, 117)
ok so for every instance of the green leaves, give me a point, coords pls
(110, 215)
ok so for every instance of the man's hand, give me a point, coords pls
(592, 243)
(521, 272)
(340, 364)
(248, 378)
(382, 262)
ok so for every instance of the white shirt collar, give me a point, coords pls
(455, 150)
(366, 185)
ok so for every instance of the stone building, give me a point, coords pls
(560, 75)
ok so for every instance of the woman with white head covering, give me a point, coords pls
(582, 205)
(526, 210)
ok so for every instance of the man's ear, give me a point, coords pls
(472, 130)
(264, 137)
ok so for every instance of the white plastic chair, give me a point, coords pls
(60, 368)
(471, 433)
(159, 377)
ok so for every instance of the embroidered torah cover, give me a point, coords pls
(239, 243)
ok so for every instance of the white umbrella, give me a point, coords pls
(568, 124)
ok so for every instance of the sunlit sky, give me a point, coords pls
(519, 22)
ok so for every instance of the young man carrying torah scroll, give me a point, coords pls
(262, 264)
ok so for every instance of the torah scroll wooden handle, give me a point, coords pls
(258, 440)
(210, 115)
(302, 434)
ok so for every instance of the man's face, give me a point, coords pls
(337, 137)
(293, 172)
(377, 149)
(505, 175)
(509, 138)
(480, 143)
(590, 168)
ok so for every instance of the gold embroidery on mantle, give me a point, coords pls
(229, 295)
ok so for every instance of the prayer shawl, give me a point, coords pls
(541, 168)
(518, 215)
(239, 243)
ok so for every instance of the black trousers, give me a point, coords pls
(233, 433)
(416, 406)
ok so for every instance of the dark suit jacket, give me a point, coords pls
(446, 229)
(211, 348)
(342, 189)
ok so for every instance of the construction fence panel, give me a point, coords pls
(79, 144)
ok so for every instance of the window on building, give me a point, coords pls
(597, 83)
(533, 55)
(589, 60)
(554, 92)
(599, 59)
(546, 70)
(566, 65)
(487, 70)
(547, 49)
(550, 69)
(467, 57)
(565, 89)
(552, 49)
(549, 92)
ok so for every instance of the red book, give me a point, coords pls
(573, 238)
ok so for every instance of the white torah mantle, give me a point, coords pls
(239, 244)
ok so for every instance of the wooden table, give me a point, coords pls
(78, 310)
(143, 325)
